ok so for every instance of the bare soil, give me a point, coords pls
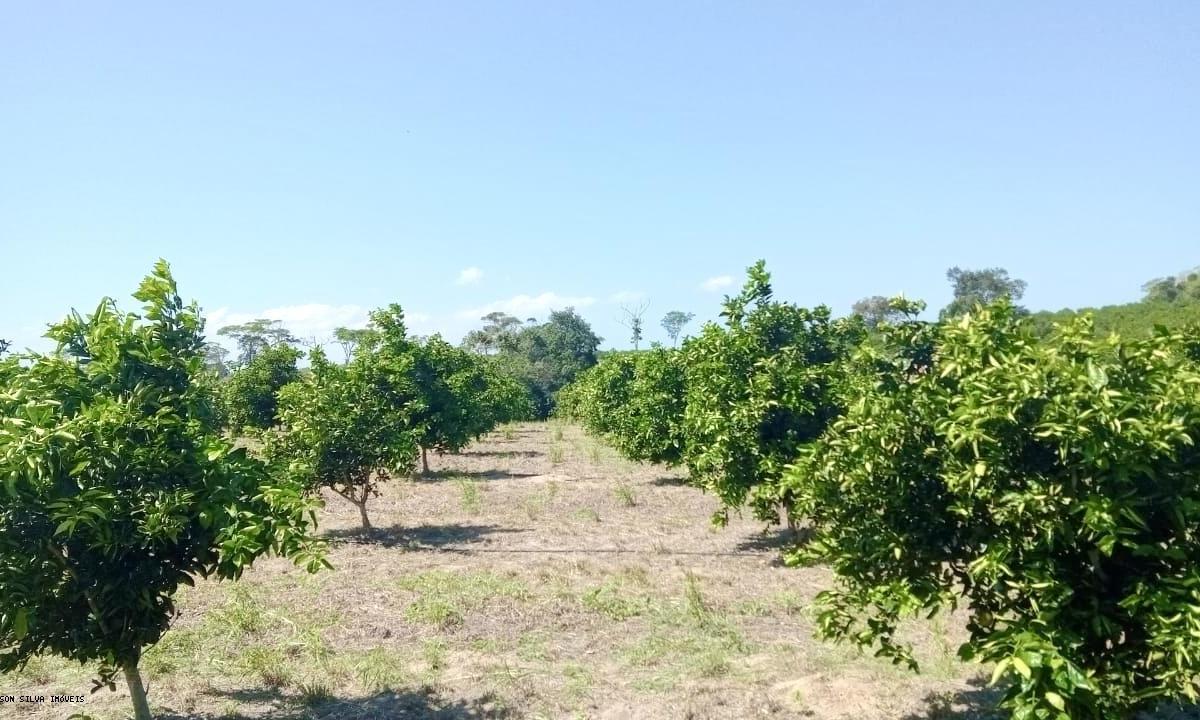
(535, 575)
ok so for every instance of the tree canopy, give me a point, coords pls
(981, 287)
(1048, 483)
(118, 488)
(255, 336)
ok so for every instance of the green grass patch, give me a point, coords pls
(587, 515)
(613, 600)
(471, 497)
(686, 639)
(444, 598)
(625, 495)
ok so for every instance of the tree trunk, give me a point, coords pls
(362, 511)
(137, 692)
(424, 461)
(786, 507)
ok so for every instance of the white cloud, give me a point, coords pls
(523, 306)
(627, 296)
(469, 276)
(714, 284)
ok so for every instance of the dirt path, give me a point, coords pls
(536, 575)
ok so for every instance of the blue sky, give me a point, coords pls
(310, 161)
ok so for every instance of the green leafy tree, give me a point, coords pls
(876, 310)
(674, 322)
(250, 395)
(760, 388)
(1182, 288)
(351, 427)
(498, 329)
(453, 385)
(1172, 302)
(1048, 485)
(636, 401)
(350, 339)
(255, 336)
(118, 489)
(216, 359)
(548, 356)
(981, 287)
(463, 397)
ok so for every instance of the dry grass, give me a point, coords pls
(536, 575)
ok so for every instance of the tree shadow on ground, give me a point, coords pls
(671, 481)
(439, 475)
(776, 539)
(420, 537)
(418, 704)
(976, 702)
(501, 453)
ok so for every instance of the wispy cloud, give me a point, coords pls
(713, 284)
(469, 276)
(524, 306)
(627, 296)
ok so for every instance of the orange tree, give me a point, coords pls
(635, 401)
(1050, 486)
(350, 427)
(760, 387)
(463, 396)
(117, 489)
(250, 394)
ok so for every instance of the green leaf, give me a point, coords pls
(21, 624)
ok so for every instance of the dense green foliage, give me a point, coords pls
(760, 387)
(463, 396)
(1049, 484)
(1045, 478)
(249, 394)
(635, 401)
(118, 488)
(349, 427)
(546, 357)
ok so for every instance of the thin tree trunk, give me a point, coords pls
(362, 511)
(137, 692)
(424, 461)
(785, 510)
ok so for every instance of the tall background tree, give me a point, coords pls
(499, 327)
(876, 309)
(635, 321)
(216, 359)
(118, 489)
(674, 322)
(350, 339)
(255, 336)
(1183, 288)
(548, 356)
(981, 287)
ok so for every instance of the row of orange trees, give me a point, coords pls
(1048, 486)
(118, 483)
